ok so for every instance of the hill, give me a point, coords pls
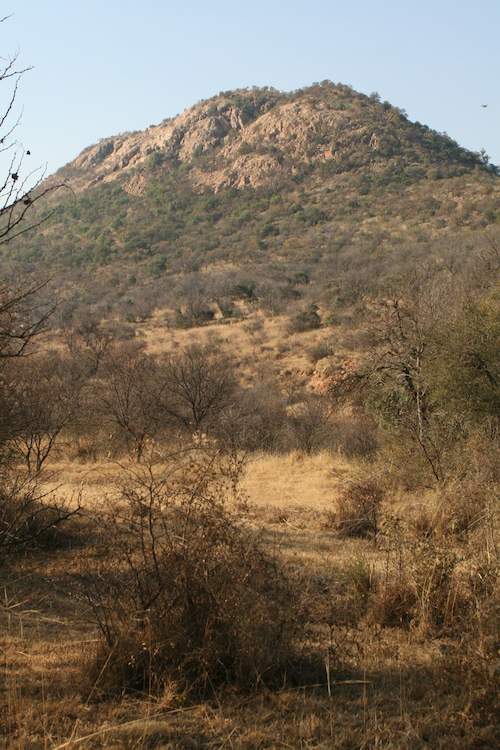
(247, 478)
(258, 137)
(317, 195)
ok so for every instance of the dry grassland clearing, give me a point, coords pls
(425, 681)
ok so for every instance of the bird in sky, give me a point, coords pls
(484, 106)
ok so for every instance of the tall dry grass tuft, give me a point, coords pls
(431, 586)
(358, 508)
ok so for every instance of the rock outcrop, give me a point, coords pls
(251, 138)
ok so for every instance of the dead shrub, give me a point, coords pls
(392, 604)
(463, 509)
(31, 518)
(188, 596)
(355, 435)
(358, 508)
(458, 510)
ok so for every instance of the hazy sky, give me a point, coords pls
(102, 67)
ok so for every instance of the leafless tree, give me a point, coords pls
(402, 362)
(20, 188)
(47, 388)
(88, 341)
(22, 317)
(198, 384)
(27, 516)
(130, 395)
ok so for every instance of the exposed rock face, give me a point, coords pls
(331, 372)
(196, 131)
(244, 171)
(253, 137)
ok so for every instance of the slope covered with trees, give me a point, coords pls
(253, 185)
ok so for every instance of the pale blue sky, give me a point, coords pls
(105, 66)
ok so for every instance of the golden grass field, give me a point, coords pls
(381, 687)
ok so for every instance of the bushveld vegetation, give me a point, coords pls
(210, 538)
(181, 575)
(351, 208)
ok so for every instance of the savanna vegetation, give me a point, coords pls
(355, 193)
(249, 473)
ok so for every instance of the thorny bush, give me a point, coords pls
(186, 594)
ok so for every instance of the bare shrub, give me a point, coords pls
(88, 340)
(319, 350)
(128, 397)
(197, 385)
(358, 508)
(355, 435)
(309, 425)
(189, 596)
(31, 518)
(47, 389)
(256, 421)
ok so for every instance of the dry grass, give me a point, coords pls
(257, 338)
(386, 682)
(294, 480)
(287, 481)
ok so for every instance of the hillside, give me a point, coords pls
(249, 449)
(257, 195)
(259, 137)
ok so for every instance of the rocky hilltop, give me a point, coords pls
(318, 196)
(255, 138)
